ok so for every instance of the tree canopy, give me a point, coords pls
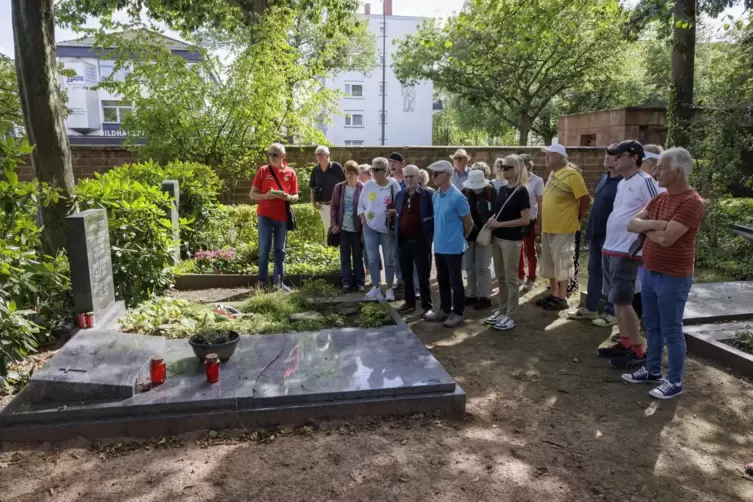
(513, 56)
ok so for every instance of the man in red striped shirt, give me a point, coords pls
(670, 222)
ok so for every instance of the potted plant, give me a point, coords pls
(214, 340)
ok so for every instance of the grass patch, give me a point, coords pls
(743, 340)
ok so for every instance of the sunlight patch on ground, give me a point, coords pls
(652, 407)
(560, 321)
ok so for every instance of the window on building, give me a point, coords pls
(354, 119)
(587, 140)
(353, 142)
(114, 112)
(107, 67)
(383, 116)
(354, 90)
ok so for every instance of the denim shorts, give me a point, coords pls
(620, 274)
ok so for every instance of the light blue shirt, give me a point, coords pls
(449, 208)
(458, 179)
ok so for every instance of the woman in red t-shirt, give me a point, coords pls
(273, 186)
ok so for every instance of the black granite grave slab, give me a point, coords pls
(705, 340)
(271, 379)
(94, 365)
(719, 301)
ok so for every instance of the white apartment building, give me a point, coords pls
(408, 110)
(96, 115)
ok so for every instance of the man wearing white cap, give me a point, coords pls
(460, 173)
(452, 225)
(565, 202)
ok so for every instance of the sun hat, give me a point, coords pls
(441, 166)
(476, 180)
(460, 153)
(557, 148)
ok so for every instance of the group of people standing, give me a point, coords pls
(641, 236)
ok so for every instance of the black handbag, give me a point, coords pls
(525, 230)
(292, 225)
(333, 239)
(391, 219)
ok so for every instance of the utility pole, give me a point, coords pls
(384, 63)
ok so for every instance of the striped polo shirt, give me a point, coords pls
(677, 260)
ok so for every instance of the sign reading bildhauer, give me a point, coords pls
(91, 263)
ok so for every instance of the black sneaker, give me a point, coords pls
(613, 351)
(470, 300)
(556, 304)
(406, 309)
(400, 286)
(483, 304)
(629, 361)
(542, 301)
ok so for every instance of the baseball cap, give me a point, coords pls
(396, 156)
(628, 146)
(441, 166)
(557, 148)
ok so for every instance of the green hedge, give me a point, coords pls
(717, 246)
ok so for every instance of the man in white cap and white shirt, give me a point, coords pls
(564, 203)
(452, 225)
(460, 173)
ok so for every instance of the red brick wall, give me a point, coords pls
(91, 159)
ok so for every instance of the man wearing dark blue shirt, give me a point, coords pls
(604, 195)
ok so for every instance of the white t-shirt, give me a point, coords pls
(374, 201)
(633, 194)
(535, 186)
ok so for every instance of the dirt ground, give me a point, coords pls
(547, 421)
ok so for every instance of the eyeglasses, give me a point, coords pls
(437, 173)
(507, 168)
(273, 155)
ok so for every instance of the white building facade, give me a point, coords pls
(96, 114)
(408, 109)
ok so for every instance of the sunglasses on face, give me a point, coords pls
(377, 169)
(435, 174)
(507, 168)
(273, 155)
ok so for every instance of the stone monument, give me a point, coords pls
(91, 265)
(172, 187)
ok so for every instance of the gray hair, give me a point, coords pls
(364, 167)
(481, 166)
(680, 159)
(278, 147)
(423, 175)
(411, 169)
(322, 149)
(380, 163)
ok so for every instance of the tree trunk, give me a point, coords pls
(680, 106)
(39, 91)
(524, 129)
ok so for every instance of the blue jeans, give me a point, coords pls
(372, 240)
(663, 297)
(351, 261)
(267, 227)
(596, 277)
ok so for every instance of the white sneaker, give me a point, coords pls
(389, 295)
(494, 318)
(605, 321)
(527, 285)
(373, 294)
(505, 324)
(453, 321)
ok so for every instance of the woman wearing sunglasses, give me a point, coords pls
(512, 211)
(275, 185)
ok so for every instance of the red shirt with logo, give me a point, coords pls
(264, 181)
(687, 209)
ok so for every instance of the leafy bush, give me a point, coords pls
(222, 261)
(374, 315)
(17, 335)
(27, 277)
(742, 340)
(716, 246)
(199, 187)
(226, 226)
(140, 235)
(309, 224)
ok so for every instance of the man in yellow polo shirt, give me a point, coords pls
(565, 202)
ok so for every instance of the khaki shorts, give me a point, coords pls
(557, 254)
